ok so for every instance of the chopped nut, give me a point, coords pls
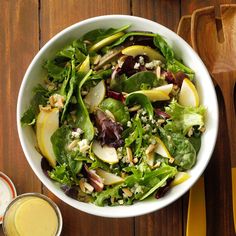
(81, 185)
(190, 132)
(129, 155)
(110, 115)
(160, 121)
(83, 145)
(150, 159)
(84, 93)
(158, 71)
(121, 201)
(202, 129)
(73, 144)
(134, 108)
(171, 159)
(127, 192)
(88, 186)
(150, 148)
(97, 59)
(135, 160)
(56, 100)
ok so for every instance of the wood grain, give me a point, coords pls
(56, 15)
(18, 44)
(165, 12)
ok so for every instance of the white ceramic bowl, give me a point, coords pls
(34, 75)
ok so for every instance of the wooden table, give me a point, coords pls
(25, 26)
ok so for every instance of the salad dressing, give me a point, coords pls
(31, 216)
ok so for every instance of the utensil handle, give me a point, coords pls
(196, 222)
(227, 83)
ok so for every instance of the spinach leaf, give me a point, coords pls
(136, 136)
(40, 97)
(180, 148)
(162, 45)
(124, 37)
(66, 158)
(98, 34)
(136, 81)
(72, 86)
(117, 108)
(84, 121)
(101, 75)
(141, 99)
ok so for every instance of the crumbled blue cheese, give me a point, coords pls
(136, 65)
(83, 145)
(141, 60)
(76, 133)
(153, 64)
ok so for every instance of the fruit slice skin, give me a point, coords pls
(46, 124)
(105, 42)
(162, 150)
(109, 178)
(154, 95)
(136, 50)
(188, 95)
(105, 153)
(180, 178)
(164, 88)
(95, 95)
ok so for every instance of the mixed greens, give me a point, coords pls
(117, 118)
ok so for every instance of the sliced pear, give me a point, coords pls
(95, 95)
(164, 88)
(46, 124)
(109, 178)
(136, 50)
(155, 95)
(188, 95)
(180, 178)
(162, 150)
(105, 42)
(105, 153)
(85, 66)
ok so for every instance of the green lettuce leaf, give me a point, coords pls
(40, 97)
(184, 118)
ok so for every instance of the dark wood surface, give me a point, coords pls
(25, 26)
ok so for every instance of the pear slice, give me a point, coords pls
(95, 95)
(109, 178)
(164, 88)
(106, 41)
(154, 95)
(136, 50)
(188, 95)
(46, 124)
(180, 178)
(162, 150)
(105, 153)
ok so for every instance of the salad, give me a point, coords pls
(117, 118)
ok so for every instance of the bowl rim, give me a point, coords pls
(64, 198)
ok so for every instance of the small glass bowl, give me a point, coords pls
(20, 200)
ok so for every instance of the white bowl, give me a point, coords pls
(35, 73)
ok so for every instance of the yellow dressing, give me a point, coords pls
(31, 216)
